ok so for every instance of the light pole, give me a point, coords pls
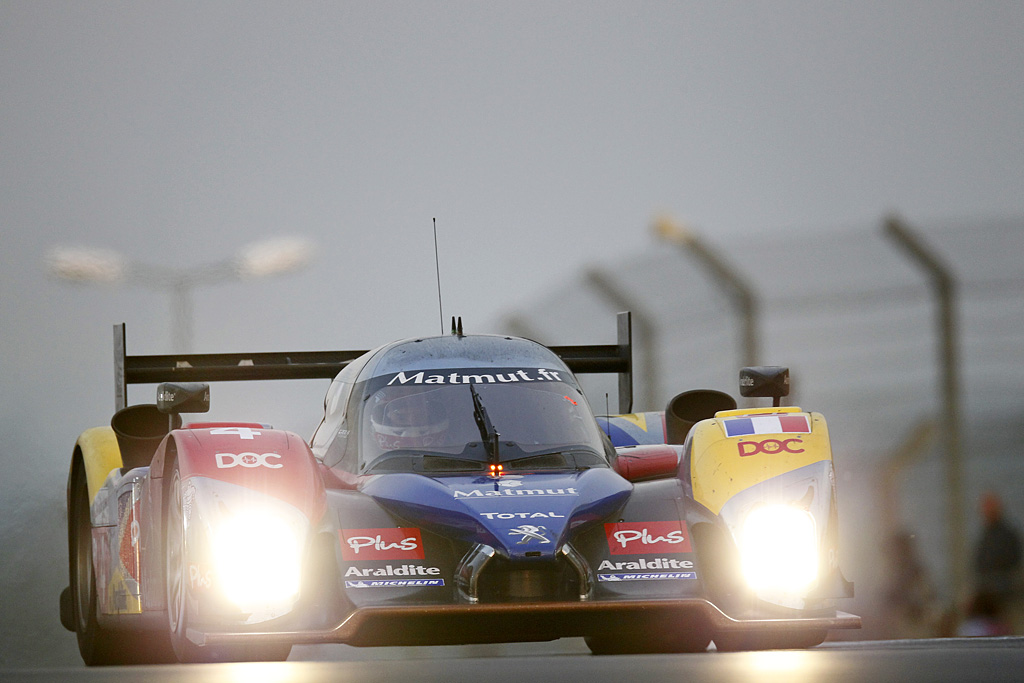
(944, 288)
(741, 293)
(273, 256)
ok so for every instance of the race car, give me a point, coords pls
(458, 489)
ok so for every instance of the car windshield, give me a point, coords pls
(422, 428)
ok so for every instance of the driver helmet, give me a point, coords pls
(404, 417)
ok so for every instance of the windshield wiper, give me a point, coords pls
(415, 460)
(487, 431)
(567, 457)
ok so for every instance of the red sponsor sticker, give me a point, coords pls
(394, 543)
(647, 538)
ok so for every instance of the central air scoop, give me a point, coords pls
(523, 517)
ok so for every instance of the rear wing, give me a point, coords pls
(233, 367)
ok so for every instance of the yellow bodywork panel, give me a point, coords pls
(722, 466)
(100, 455)
(639, 419)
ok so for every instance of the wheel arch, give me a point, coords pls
(99, 454)
(96, 452)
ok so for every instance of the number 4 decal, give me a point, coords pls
(240, 432)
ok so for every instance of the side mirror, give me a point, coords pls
(184, 397)
(764, 381)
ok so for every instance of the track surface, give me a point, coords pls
(975, 659)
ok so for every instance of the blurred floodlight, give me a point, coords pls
(274, 256)
(269, 257)
(725, 275)
(82, 264)
(672, 230)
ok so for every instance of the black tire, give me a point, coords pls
(649, 643)
(738, 641)
(180, 602)
(99, 646)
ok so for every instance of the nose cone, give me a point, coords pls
(523, 517)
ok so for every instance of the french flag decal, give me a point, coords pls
(767, 424)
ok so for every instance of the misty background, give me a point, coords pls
(542, 136)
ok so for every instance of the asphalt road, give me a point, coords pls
(962, 659)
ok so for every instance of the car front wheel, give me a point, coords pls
(96, 644)
(181, 603)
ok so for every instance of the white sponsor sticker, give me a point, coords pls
(513, 492)
(643, 563)
(651, 576)
(392, 570)
(241, 432)
(395, 583)
(520, 515)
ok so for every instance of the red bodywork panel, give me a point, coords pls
(273, 462)
(213, 425)
(640, 463)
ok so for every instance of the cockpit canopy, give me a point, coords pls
(458, 404)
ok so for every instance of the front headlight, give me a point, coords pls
(778, 547)
(258, 557)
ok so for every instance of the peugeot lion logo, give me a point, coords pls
(529, 532)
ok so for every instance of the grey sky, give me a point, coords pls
(543, 137)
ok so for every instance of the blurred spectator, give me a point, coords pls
(996, 564)
(910, 597)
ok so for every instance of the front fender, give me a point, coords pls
(241, 486)
(293, 478)
(272, 462)
(724, 463)
(100, 456)
(765, 462)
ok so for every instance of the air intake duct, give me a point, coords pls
(139, 430)
(690, 407)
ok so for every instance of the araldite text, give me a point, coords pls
(389, 570)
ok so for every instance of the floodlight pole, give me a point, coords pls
(520, 327)
(738, 290)
(180, 283)
(260, 259)
(182, 314)
(944, 287)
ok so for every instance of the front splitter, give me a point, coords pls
(453, 624)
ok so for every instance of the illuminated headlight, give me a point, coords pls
(258, 558)
(779, 549)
